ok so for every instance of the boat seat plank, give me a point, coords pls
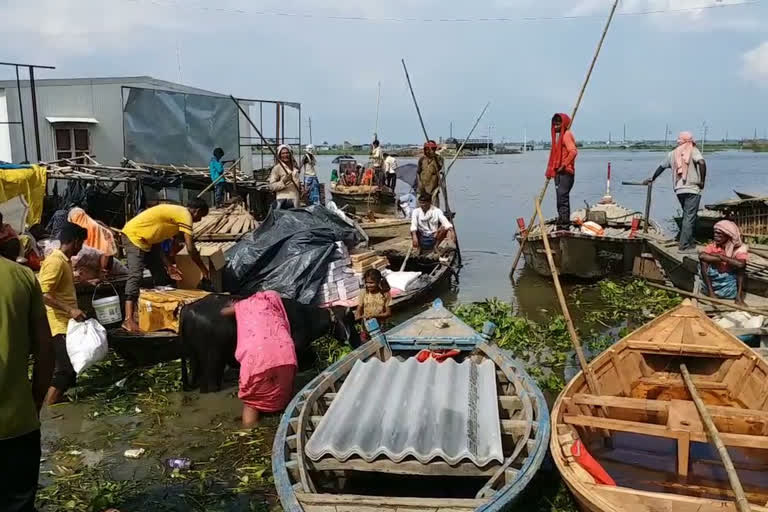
(650, 429)
(407, 467)
(683, 349)
(641, 404)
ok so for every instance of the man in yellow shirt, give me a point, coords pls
(57, 281)
(142, 236)
(23, 332)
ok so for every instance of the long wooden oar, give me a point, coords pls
(726, 304)
(524, 234)
(591, 381)
(742, 504)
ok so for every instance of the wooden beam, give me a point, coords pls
(640, 404)
(409, 467)
(684, 349)
(517, 427)
(635, 427)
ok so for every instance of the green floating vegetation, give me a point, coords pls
(112, 387)
(544, 347)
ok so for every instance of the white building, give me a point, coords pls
(141, 118)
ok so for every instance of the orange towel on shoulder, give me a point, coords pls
(99, 237)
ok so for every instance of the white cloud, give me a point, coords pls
(680, 15)
(756, 64)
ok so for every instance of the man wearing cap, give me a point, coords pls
(429, 167)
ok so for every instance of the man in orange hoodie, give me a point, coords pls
(561, 166)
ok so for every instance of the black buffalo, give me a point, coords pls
(209, 339)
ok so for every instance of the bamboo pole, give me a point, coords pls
(214, 182)
(524, 237)
(461, 148)
(416, 104)
(591, 382)
(713, 300)
(742, 504)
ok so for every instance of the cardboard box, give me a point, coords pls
(160, 309)
(212, 257)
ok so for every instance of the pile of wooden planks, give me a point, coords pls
(228, 223)
(363, 261)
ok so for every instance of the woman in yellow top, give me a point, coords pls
(375, 300)
(142, 236)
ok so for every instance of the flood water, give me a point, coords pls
(488, 196)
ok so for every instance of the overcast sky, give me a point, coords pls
(683, 67)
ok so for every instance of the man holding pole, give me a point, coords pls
(688, 177)
(429, 168)
(216, 170)
(561, 167)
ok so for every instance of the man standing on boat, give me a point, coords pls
(429, 168)
(377, 162)
(429, 225)
(390, 171)
(689, 173)
(561, 167)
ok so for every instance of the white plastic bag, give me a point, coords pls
(86, 343)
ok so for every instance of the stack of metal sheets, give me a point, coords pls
(401, 409)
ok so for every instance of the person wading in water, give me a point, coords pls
(561, 167)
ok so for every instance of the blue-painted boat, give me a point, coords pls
(396, 425)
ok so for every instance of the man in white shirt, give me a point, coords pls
(390, 171)
(429, 225)
(377, 161)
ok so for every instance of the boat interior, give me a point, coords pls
(638, 420)
(456, 485)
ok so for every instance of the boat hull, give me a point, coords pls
(583, 256)
(291, 490)
(387, 228)
(682, 269)
(705, 226)
(380, 201)
(639, 400)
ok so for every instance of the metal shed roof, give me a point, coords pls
(405, 408)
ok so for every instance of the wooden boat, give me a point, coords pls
(705, 223)
(642, 427)
(437, 272)
(681, 268)
(364, 198)
(383, 226)
(584, 255)
(743, 195)
(374, 476)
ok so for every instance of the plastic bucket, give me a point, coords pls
(107, 309)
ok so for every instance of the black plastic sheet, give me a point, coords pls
(289, 253)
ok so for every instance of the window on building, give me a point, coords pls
(72, 141)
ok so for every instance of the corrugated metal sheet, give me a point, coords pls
(406, 408)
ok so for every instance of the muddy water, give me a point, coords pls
(488, 199)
